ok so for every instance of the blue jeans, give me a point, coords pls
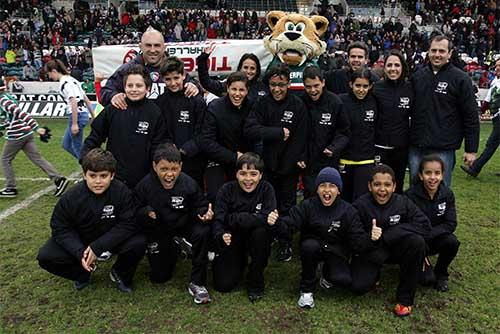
(73, 143)
(416, 154)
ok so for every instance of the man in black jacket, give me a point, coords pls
(329, 128)
(94, 216)
(172, 207)
(445, 113)
(398, 228)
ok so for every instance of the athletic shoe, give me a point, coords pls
(8, 193)
(80, 285)
(306, 300)
(105, 256)
(199, 293)
(61, 185)
(185, 246)
(119, 283)
(254, 296)
(469, 171)
(284, 251)
(441, 285)
(402, 311)
(325, 284)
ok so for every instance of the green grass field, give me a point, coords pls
(33, 301)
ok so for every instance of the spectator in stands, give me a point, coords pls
(29, 72)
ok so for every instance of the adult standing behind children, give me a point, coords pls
(132, 135)
(78, 106)
(446, 112)
(152, 57)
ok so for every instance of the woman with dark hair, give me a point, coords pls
(357, 158)
(437, 202)
(249, 64)
(221, 138)
(394, 96)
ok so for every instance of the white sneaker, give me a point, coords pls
(306, 300)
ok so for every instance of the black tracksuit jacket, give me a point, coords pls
(238, 211)
(362, 118)
(440, 210)
(184, 119)
(132, 136)
(445, 111)
(395, 101)
(222, 134)
(266, 122)
(398, 218)
(336, 227)
(329, 127)
(175, 208)
(337, 81)
(82, 218)
(256, 87)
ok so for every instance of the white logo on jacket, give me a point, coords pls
(142, 127)
(177, 202)
(326, 119)
(334, 226)
(287, 116)
(108, 212)
(404, 102)
(258, 207)
(184, 116)
(441, 87)
(369, 115)
(441, 209)
(394, 220)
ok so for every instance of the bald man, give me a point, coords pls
(153, 55)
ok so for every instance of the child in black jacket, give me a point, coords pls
(94, 216)
(171, 205)
(242, 228)
(437, 201)
(398, 228)
(330, 230)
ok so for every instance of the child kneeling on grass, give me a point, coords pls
(94, 216)
(172, 208)
(437, 201)
(243, 226)
(330, 230)
(398, 228)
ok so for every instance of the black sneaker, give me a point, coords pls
(80, 285)
(469, 171)
(254, 296)
(284, 251)
(61, 185)
(185, 246)
(8, 193)
(441, 285)
(119, 283)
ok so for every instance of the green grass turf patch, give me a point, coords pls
(33, 301)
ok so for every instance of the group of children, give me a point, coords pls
(145, 194)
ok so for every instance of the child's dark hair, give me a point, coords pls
(362, 73)
(280, 70)
(172, 64)
(312, 72)
(139, 70)
(57, 65)
(253, 57)
(404, 65)
(235, 77)
(430, 158)
(99, 160)
(167, 152)
(251, 160)
(382, 169)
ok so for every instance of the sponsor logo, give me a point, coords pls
(177, 202)
(326, 119)
(184, 116)
(155, 76)
(441, 209)
(334, 226)
(108, 212)
(404, 102)
(441, 88)
(394, 220)
(142, 127)
(369, 115)
(287, 116)
(131, 54)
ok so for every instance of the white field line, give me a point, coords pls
(27, 202)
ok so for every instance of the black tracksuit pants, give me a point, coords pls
(409, 253)
(397, 159)
(56, 260)
(163, 253)
(230, 261)
(216, 175)
(447, 247)
(355, 181)
(335, 268)
(285, 187)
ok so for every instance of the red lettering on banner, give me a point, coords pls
(188, 64)
(212, 63)
(224, 66)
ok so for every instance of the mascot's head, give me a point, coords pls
(295, 37)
